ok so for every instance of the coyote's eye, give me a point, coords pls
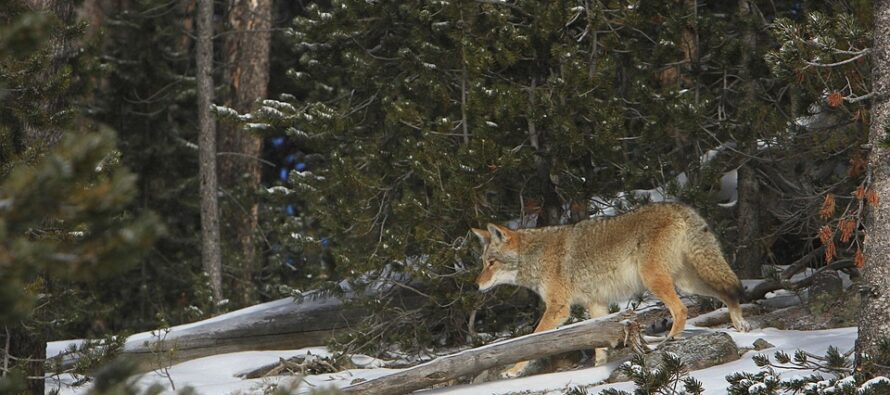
(490, 262)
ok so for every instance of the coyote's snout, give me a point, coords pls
(658, 247)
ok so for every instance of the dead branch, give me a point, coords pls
(760, 291)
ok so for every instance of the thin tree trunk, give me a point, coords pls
(210, 249)
(187, 8)
(247, 53)
(464, 76)
(550, 205)
(29, 346)
(748, 251)
(874, 317)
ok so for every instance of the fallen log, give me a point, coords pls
(760, 291)
(283, 324)
(721, 315)
(609, 331)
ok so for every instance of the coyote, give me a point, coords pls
(595, 262)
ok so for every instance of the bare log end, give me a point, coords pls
(633, 335)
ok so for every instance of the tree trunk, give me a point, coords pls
(247, 53)
(550, 209)
(748, 251)
(609, 331)
(210, 249)
(689, 46)
(29, 346)
(874, 317)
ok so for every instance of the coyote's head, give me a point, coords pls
(500, 256)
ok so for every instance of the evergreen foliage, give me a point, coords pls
(414, 122)
(26, 53)
(671, 377)
(63, 218)
(62, 212)
(427, 131)
(824, 54)
(667, 379)
(149, 97)
(842, 379)
(431, 118)
(63, 205)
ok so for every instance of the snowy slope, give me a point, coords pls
(218, 374)
(257, 313)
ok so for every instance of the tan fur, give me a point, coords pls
(658, 247)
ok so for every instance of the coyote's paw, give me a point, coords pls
(676, 336)
(742, 326)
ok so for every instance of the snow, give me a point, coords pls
(279, 190)
(294, 132)
(756, 388)
(256, 126)
(236, 319)
(728, 193)
(729, 190)
(713, 378)
(218, 374)
(271, 112)
(284, 106)
(622, 202)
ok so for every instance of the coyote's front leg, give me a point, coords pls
(555, 314)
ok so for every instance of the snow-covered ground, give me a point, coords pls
(219, 374)
(713, 378)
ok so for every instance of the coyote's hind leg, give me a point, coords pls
(660, 283)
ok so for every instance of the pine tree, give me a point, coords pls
(428, 119)
(825, 51)
(148, 96)
(63, 221)
(247, 53)
(434, 118)
(211, 256)
(873, 343)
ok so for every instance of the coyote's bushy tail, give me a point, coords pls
(704, 254)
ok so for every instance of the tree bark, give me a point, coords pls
(748, 251)
(210, 248)
(608, 331)
(874, 317)
(29, 346)
(550, 210)
(247, 54)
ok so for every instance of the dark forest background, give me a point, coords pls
(359, 141)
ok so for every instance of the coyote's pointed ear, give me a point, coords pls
(499, 233)
(483, 235)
